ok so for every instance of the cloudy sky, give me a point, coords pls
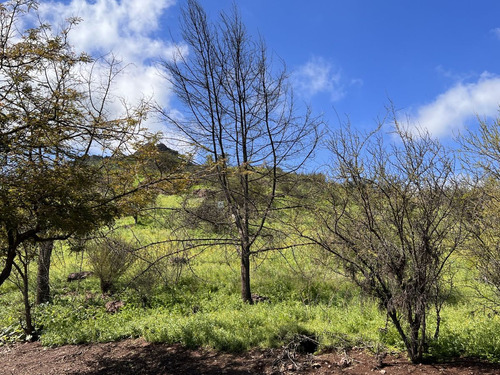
(438, 62)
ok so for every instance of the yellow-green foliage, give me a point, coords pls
(194, 300)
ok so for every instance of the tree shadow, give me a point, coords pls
(161, 359)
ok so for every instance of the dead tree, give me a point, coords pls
(238, 113)
(394, 217)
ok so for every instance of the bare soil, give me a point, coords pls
(140, 357)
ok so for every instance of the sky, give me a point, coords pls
(437, 62)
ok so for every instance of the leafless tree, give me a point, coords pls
(238, 112)
(393, 218)
(481, 161)
(481, 150)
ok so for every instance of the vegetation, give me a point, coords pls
(53, 115)
(109, 258)
(393, 218)
(240, 115)
(393, 248)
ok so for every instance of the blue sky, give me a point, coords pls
(437, 61)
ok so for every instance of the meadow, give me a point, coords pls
(192, 297)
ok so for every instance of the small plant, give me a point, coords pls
(11, 334)
(109, 259)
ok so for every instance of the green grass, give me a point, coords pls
(198, 303)
(203, 307)
(209, 318)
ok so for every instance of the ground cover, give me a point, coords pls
(194, 302)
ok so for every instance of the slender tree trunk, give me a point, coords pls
(10, 256)
(416, 345)
(29, 328)
(106, 287)
(423, 338)
(43, 278)
(438, 324)
(410, 345)
(246, 294)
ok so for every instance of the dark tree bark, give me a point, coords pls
(29, 328)
(14, 239)
(43, 277)
(9, 262)
(246, 294)
(21, 265)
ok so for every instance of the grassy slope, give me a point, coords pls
(198, 304)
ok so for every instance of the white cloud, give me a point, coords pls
(318, 76)
(127, 29)
(121, 26)
(451, 110)
(496, 32)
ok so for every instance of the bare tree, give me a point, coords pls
(238, 113)
(481, 150)
(484, 246)
(481, 159)
(393, 220)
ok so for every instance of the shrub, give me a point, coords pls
(109, 258)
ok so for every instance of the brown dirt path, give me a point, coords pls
(139, 357)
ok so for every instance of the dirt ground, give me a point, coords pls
(139, 357)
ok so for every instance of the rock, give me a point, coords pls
(79, 275)
(114, 306)
(256, 298)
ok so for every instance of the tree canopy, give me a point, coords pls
(54, 112)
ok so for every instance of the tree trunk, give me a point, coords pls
(9, 261)
(107, 286)
(29, 328)
(10, 256)
(416, 345)
(246, 294)
(411, 346)
(43, 278)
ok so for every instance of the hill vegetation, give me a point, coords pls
(394, 247)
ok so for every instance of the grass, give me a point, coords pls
(208, 318)
(197, 303)
(203, 307)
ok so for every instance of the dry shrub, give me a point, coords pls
(109, 258)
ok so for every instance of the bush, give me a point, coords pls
(109, 258)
